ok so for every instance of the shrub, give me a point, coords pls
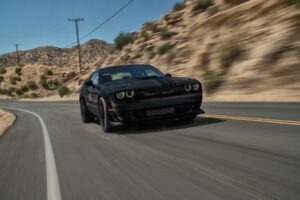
(1, 79)
(34, 95)
(43, 77)
(63, 90)
(19, 92)
(122, 40)
(165, 34)
(151, 26)
(145, 35)
(201, 5)
(44, 84)
(24, 88)
(49, 72)
(162, 49)
(295, 2)
(228, 51)
(212, 81)
(13, 79)
(2, 70)
(18, 70)
(5, 92)
(179, 6)
(32, 85)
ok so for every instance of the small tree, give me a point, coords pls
(63, 90)
(122, 40)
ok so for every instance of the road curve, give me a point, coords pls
(210, 158)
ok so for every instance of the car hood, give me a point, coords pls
(153, 83)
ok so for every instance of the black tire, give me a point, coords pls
(104, 121)
(86, 115)
(188, 118)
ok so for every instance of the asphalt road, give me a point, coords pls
(209, 158)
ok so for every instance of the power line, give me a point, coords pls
(103, 23)
(76, 20)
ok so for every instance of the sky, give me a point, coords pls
(34, 23)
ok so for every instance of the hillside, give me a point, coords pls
(241, 50)
(44, 69)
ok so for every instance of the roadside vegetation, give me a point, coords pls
(164, 48)
(179, 6)
(32, 85)
(63, 90)
(201, 5)
(2, 70)
(123, 39)
(18, 71)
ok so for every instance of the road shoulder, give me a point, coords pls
(7, 119)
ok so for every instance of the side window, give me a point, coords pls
(95, 78)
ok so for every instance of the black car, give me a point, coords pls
(131, 93)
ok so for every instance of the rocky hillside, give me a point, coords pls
(240, 49)
(45, 69)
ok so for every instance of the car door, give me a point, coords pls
(92, 97)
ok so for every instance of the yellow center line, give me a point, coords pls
(254, 119)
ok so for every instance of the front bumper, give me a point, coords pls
(183, 105)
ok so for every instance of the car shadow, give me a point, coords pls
(165, 125)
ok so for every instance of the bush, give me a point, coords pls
(24, 88)
(212, 81)
(162, 49)
(5, 92)
(2, 70)
(179, 6)
(43, 77)
(49, 72)
(151, 26)
(63, 90)
(34, 95)
(228, 51)
(201, 5)
(32, 85)
(13, 80)
(44, 83)
(19, 92)
(122, 40)
(165, 34)
(295, 2)
(1, 79)
(18, 70)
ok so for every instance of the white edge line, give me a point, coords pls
(53, 189)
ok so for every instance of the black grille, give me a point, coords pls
(161, 92)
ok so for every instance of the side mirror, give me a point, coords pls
(168, 75)
(88, 83)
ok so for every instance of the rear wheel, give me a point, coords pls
(188, 118)
(86, 115)
(104, 118)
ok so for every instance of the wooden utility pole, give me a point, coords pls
(76, 20)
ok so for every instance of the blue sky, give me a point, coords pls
(34, 23)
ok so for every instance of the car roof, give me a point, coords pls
(126, 65)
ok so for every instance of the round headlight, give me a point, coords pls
(120, 95)
(187, 88)
(196, 86)
(130, 94)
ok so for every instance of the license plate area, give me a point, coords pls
(160, 111)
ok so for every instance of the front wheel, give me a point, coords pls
(86, 115)
(104, 118)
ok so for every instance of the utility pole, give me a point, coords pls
(76, 20)
(18, 58)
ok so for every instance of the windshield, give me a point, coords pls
(129, 72)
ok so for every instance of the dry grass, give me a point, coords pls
(6, 120)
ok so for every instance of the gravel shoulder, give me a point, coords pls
(6, 120)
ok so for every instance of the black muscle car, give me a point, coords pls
(131, 93)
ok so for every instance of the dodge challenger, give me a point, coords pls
(132, 93)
